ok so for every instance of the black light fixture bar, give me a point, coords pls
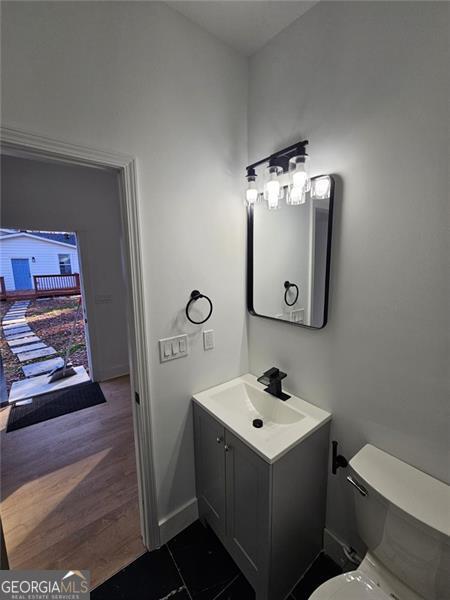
(281, 157)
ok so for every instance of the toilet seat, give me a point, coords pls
(354, 585)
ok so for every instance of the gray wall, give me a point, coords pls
(366, 83)
(140, 79)
(57, 197)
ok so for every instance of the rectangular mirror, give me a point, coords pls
(288, 257)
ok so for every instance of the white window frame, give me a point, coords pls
(61, 272)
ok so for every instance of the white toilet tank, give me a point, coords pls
(405, 521)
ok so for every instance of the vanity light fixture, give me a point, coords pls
(273, 192)
(251, 194)
(286, 175)
(320, 187)
(299, 181)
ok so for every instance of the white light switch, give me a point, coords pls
(208, 339)
(173, 347)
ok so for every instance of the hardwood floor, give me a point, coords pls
(69, 489)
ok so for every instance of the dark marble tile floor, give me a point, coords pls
(195, 566)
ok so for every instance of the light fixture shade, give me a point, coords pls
(273, 192)
(251, 193)
(320, 187)
(296, 195)
(299, 181)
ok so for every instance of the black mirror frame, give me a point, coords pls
(250, 252)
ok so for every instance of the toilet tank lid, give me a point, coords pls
(423, 497)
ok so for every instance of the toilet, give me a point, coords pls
(403, 517)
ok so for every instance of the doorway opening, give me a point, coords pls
(107, 505)
(44, 331)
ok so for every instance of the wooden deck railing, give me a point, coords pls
(2, 288)
(56, 285)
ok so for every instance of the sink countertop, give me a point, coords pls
(286, 423)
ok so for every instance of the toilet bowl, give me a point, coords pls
(353, 585)
(402, 516)
(369, 582)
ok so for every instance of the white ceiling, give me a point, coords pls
(245, 25)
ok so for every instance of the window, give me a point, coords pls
(65, 268)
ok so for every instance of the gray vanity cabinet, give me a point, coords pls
(210, 470)
(270, 517)
(247, 484)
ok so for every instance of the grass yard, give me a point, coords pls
(50, 319)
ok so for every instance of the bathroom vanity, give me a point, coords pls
(262, 489)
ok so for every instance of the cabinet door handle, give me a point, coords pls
(219, 439)
(227, 448)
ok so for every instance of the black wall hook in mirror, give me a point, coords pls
(196, 295)
(288, 285)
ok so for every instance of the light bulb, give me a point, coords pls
(251, 195)
(272, 186)
(296, 195)
(321, 187)
(273, 193)
(299, 179)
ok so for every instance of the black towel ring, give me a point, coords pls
(288, 285)
(196, 295)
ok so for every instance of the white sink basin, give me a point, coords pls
(285, 423)
(254, 403)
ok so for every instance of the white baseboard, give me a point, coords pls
(178, 520)
(112, 372)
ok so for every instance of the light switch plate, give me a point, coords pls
(173, 347)
(208, 339)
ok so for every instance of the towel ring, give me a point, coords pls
(196, 295)
(288, 285)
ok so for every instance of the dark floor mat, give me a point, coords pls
(55, 404)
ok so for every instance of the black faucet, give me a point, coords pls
(272, 378)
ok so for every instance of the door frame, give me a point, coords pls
(83, 271)
(29, 270)
(21, 143)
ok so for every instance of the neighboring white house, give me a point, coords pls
(24, 254)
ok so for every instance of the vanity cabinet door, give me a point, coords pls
(210, 469)
(248, 515)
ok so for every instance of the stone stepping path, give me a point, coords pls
(10, 332)
(43, 366)
(25, 344)
(29, 347)
(47, 351)
(19, 307)
(13, 320)
(22, 341)
(19, 336)
(11, 326)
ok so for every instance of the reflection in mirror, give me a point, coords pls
(289, 257)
